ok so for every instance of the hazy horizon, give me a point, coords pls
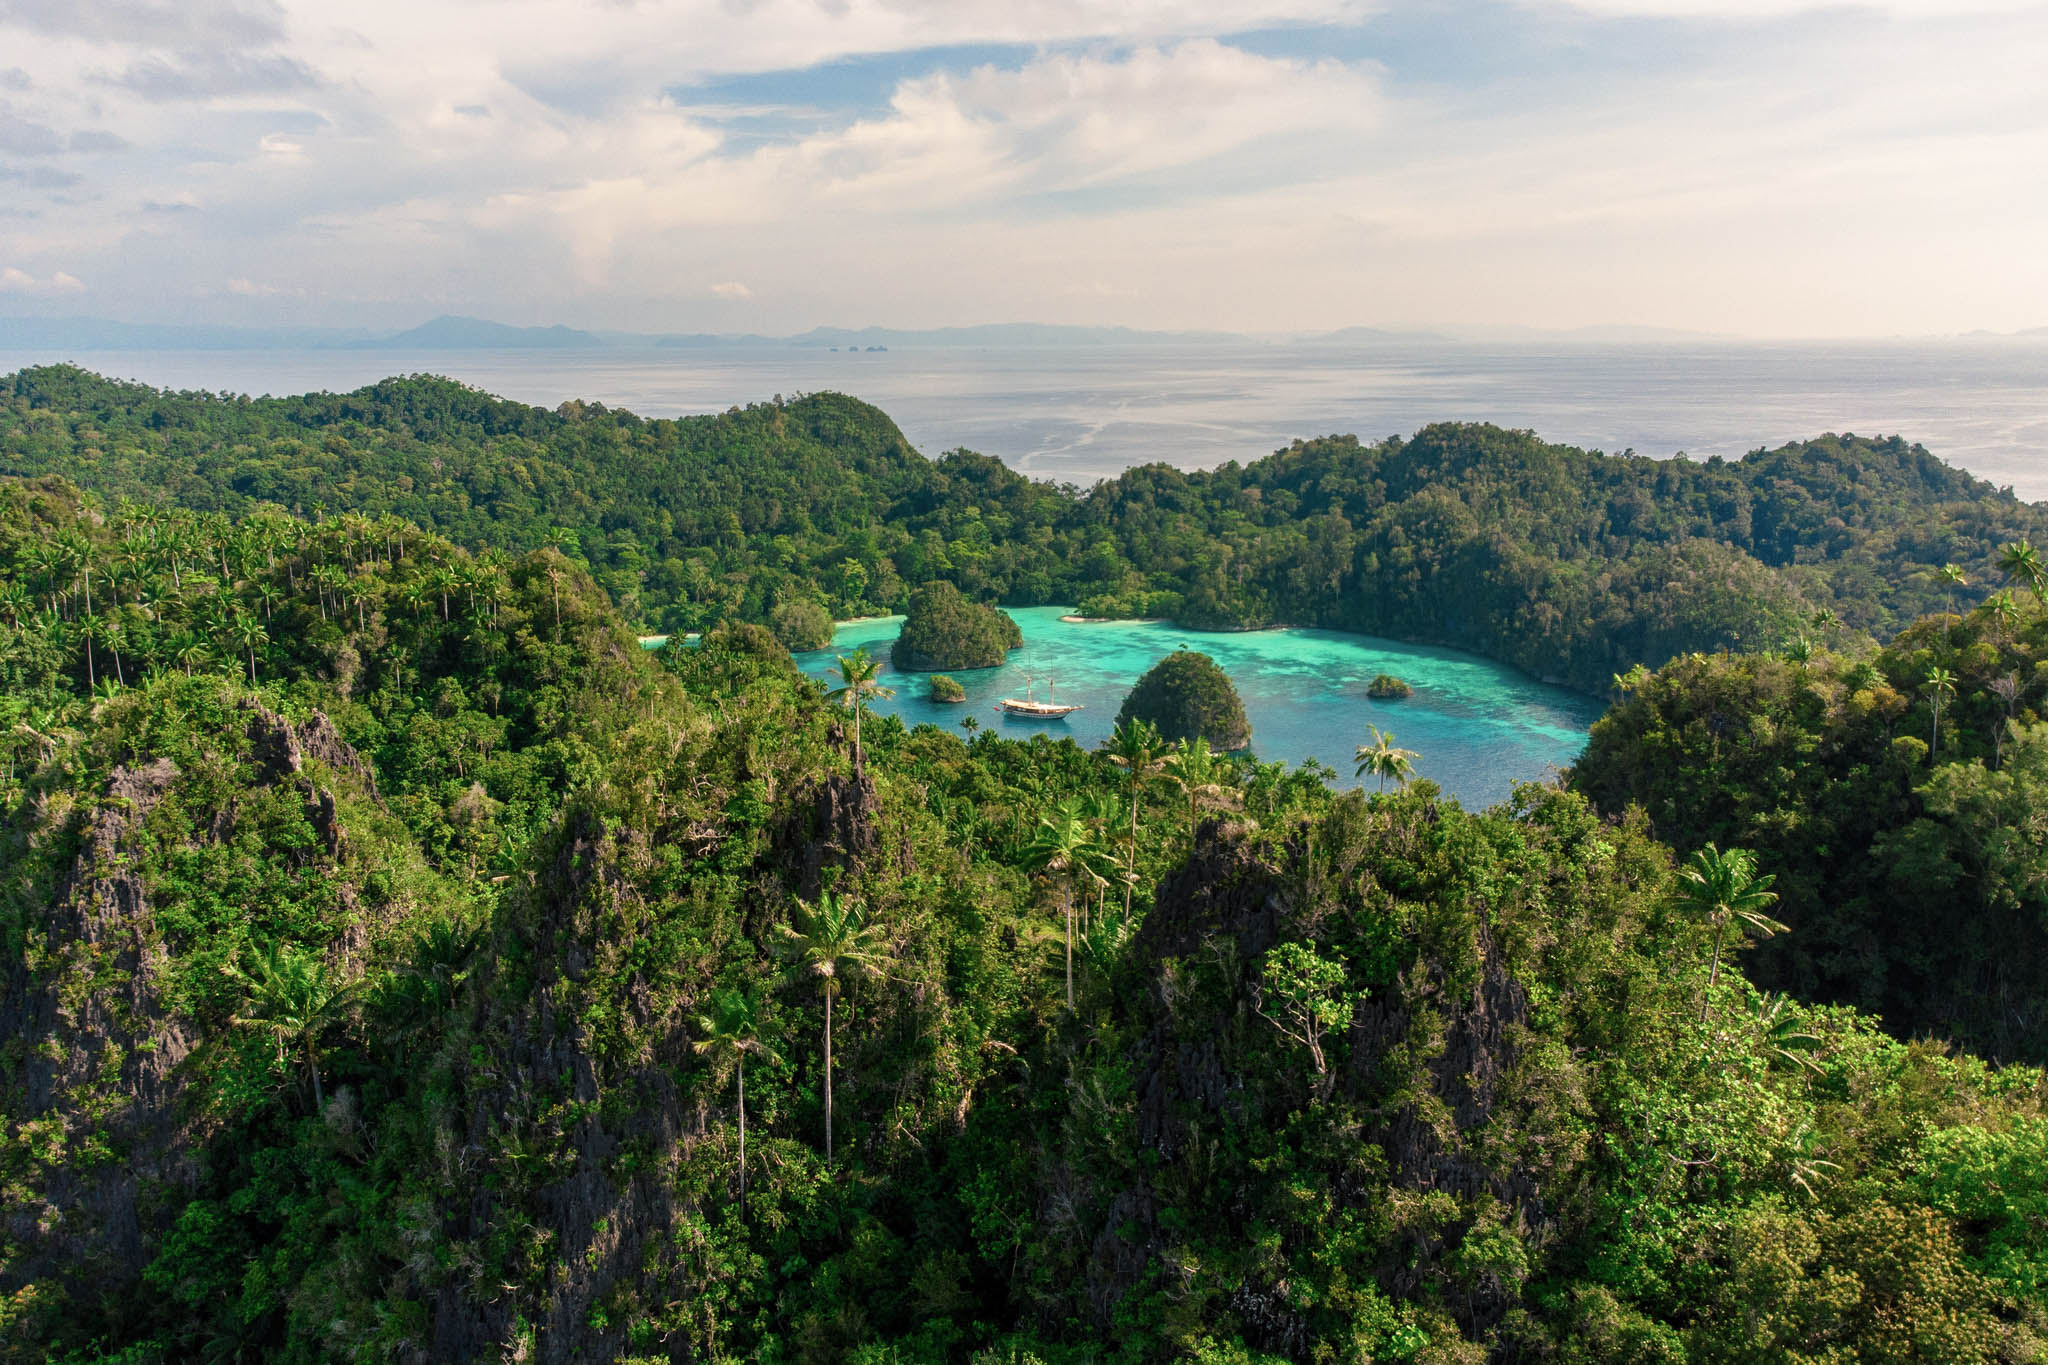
(821, 332)
(1753, 169)
(1078, 412)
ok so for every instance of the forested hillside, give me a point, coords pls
(402, 965)
(1901, 797)
(1568, 564)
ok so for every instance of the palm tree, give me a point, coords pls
(1382, 760)
(1782, 1032)
(859, 673)
(729, 1035)
(1065, 849)
(1952, 577)
(1941, 686)
(1135, 746)
(90, 628)
(293, 994)
(106, 630)
(249, 633)
(552, 568)
(1722, 890)
(970, 725)
(2005, 613)
(2021, 563)
(833, 941)
(191, 652)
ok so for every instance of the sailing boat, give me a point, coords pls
(1036, 710)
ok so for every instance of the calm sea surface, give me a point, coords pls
(1477, 727)
(1079, 414)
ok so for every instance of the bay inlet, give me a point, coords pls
(1479, 727)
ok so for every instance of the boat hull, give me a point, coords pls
(1035, 710)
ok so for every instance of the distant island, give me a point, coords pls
(456, 332)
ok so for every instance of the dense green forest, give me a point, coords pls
(400, 964)
(1568, 564)
(1901, 796)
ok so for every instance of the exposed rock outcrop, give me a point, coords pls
(99, 1052)
(1214, 919)
(95, 1076)
(830, 822)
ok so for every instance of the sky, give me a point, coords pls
(1761, 168)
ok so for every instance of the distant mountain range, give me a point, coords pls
(451, 333)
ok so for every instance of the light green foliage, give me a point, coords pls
(1379, 758)
(1722, 891)
(1990, 1180)
(1303, 996)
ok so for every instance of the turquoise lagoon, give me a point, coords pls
(1477, 726)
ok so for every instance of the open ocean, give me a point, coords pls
(1082, 413)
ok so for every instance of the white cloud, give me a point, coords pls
(1781, 9)
(17, 281)
(1131, 161)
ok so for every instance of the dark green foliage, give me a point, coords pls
(1387, 687)
(1188, 697)
(945, 688)
(1917, 890)
(1568, 564)
(942, 629)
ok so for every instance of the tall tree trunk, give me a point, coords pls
(743, 1137)
(828, 1078)
(1713, 972)
(313, 1065)
(1067, 899)
(1131, 882)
